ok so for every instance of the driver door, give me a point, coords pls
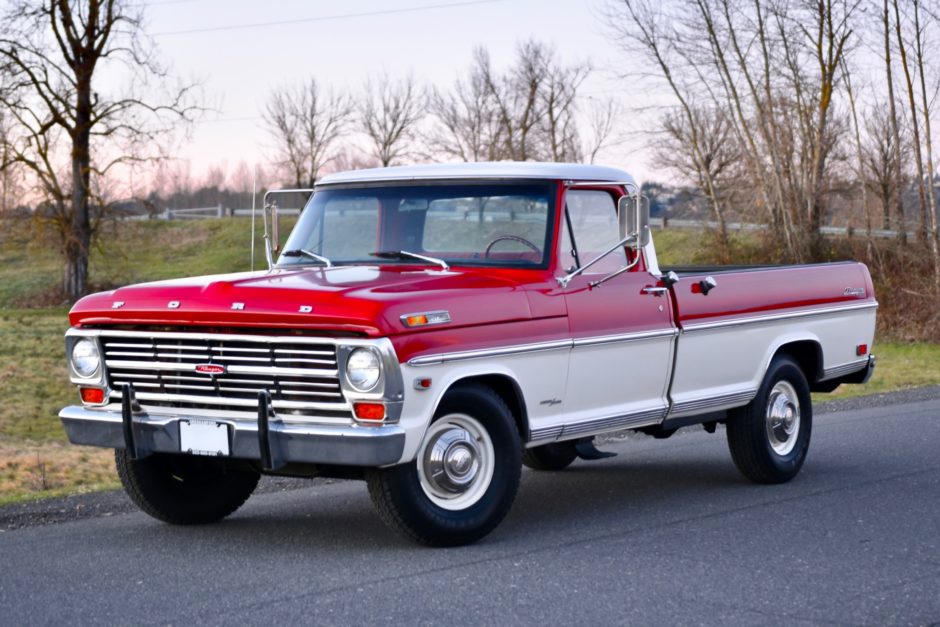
(623, 332)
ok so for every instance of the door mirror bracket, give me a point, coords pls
(633, 213)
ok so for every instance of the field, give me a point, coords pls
(35, 459)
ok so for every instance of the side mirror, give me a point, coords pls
(634, 215)
(271, 211)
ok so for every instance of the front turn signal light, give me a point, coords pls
(374, 412)
(92, 396)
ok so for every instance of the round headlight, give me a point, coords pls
(85, 357)
(363, 369)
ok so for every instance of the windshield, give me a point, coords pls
(489, 224)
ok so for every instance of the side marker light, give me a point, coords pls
(426, 318)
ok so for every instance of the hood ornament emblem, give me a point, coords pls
(173, 304)
(238, 306)
(117, 304)
(305, 309)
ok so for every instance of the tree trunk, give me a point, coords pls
(928, 146)
(915, 131)
(78, 240)
(900, 223)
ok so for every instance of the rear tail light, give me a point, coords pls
(861, 349)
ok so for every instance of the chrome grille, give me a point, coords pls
(300, 373)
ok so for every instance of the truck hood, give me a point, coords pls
(367, 300)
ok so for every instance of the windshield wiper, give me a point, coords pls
(404, 254)
(300, 252)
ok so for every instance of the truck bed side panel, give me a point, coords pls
(729, 335)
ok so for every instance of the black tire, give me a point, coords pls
(761, 446)
(554, 456)
(401, 494)
(185, 489)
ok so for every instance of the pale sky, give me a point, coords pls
(340, 47)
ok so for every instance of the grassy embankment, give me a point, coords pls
(35, 458)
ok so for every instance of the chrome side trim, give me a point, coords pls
(428, 360)
(536, 347)
(598, 425)
(612, 423)
(705, 326)
(844, 369)
(708, 403)
(625, 337)
(546, 433)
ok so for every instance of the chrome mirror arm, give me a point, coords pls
(565, 280)
(616, 273)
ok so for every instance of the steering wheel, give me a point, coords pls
(511, 238)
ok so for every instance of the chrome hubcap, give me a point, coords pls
(456, 462)
(453, 461)
(783, 418)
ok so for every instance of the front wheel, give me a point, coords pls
(185, 489)
(769, 437)
(464, 478)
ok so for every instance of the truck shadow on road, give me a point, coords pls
(617, 493)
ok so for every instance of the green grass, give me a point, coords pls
(35, 459)
(128, 252)
(900, 366)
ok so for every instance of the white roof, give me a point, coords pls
(486, 170)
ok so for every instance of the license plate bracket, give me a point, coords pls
(204, 437)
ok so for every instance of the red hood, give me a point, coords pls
(359, 299)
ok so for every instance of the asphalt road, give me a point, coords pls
(665, 533)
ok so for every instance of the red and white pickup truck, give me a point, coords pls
(430, 329)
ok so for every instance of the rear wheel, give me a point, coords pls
(554, 456)
(464, 478)
(184, 489)
(769, 437)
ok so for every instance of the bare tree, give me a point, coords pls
(881, 159)
(530, 111)
(901, 223)
(603, 117)
(859, 166)
(71, 134)
(773, 67)
(467, 125)
(927, 226)
(389, 114)
(703, 149)
(306, 122)
(11, 176)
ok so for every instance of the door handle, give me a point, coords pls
(655, 291)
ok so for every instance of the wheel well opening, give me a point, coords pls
(509, 391)
(808, 354)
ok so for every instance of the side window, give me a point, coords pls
(589, 228)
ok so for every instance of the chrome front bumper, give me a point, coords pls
(312, 444)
